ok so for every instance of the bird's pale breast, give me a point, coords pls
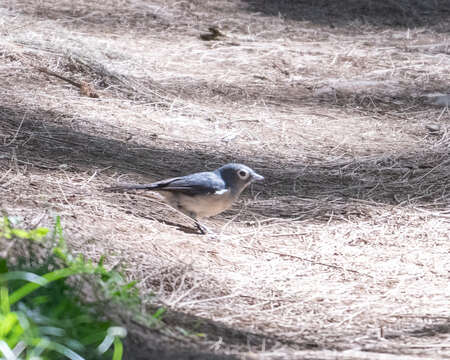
(200, 205)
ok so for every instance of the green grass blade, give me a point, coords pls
(7, 324)
(52, 276)
(118, 349)
(64, 350)
(6, 351)
(23, 275)
(4, 300)
(106, 343)
(113, 333)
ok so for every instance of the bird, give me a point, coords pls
(201, 194)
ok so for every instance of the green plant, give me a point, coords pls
(41, 315)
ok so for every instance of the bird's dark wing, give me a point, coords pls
(195, 184)
(152, 186)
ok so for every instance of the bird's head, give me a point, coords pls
(238, 176)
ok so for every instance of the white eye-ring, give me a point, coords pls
(243, 174)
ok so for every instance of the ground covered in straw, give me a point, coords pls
(343, 252)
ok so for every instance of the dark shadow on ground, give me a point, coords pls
(292, 189)
(432, 329)
(368, 96)
(400, 13)
(368, 99)
(143, 343)
(357, 95)
(179, 347)
(101, 16)
(144, 18)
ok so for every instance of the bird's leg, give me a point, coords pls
(202, 228)
(205, 231)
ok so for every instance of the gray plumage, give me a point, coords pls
(201, 194)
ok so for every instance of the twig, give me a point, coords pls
(213, 34)
(308, 260)
(412, 316)
(208, 300)
(426, 346)
(332, 355)
(5, 175)
(85, 88)
(288, 234)
(89, 180)
(269, 300)
(17, 132)
(52, 73)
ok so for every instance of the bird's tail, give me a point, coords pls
(124, 188)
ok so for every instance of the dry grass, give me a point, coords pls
(346, 245)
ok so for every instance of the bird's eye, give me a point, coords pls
(243, 174)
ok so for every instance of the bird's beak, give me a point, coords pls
(257, 177)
